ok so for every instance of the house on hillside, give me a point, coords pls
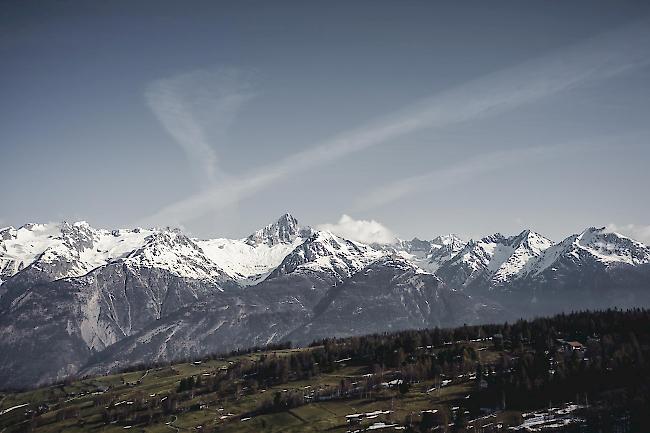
(570, 346)
(574, 345)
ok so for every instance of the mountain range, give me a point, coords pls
(75, 300)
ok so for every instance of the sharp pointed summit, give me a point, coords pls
(283, 231)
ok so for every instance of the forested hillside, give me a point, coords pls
(586, 371)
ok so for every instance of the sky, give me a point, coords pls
(373, 119)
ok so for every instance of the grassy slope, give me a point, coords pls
(155, 384)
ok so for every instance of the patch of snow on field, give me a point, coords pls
(380, 425)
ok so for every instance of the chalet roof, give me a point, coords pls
(575, 344)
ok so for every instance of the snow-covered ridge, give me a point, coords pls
(124, 296)
(63, 250)
(495, 259)
(284, 231)
(77, 248)
(525, 247)
(178, 254)
(244, 262)
(612, 247)
(428, 255)
(444, 240)
(329, 253)
(252, 259)
(71, 250)
(597, 244)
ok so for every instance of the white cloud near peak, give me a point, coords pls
(364, 231)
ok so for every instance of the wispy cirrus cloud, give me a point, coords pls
(480, 165)
(589, 61)
(196, 109)
(449, 175)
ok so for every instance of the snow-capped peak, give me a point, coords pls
(427, 255)
(177, 254)
(526, 246)
(495, 258)
(611, 247)
(443, 248)
(61, 250)
(251, 259)
(283, 231)
(593, 244)
(450, 239)
(324, 251)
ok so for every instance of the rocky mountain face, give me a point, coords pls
(77, 300)
(493, 261)
(530, 274)
(428, 255)
(390, 294)
(593, 269)
(284, 231)
(50, 327)
(46, 252)
(250, 260)
(327, 253)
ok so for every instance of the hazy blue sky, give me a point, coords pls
(428, 117)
